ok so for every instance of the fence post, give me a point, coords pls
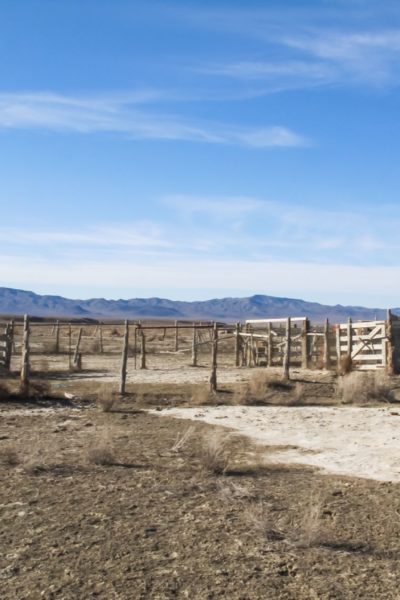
(57, 334)
(76, 361)
(176, 337)
(391, 345)
(101, 338)
(214, 353)
(269, 341)
(25, 355)
(70, 346)
(286, 356)
(304, 344)
(237, 345)
(327, 358)
(194, 346)
(349, 339)
(9, 344)
(142, 350)
(124, 361)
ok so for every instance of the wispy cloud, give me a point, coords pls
(123, 115)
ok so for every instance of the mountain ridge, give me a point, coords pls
(18, 302)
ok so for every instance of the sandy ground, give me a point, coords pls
(355, 441)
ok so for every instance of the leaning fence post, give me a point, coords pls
(57, 334)
(76, 361)
(194, 346)
(304, 344)
(176, 337)
(124, 361)
(214, 352)
(101, 338)
(349, 340)
(327, 358)
(237, 345)
(25, 355)
(391, 345)
(142, 350)
(286, 356)
(9, 343)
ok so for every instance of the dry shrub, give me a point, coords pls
(42, 456)
(303, 533)
(9, 456)
(308, 533)
(260, 389)
(345, 365)
(297, 396)
(201, 395)
(182, 439)
(106, 400)
(4, 391)
(101, 451)
(215, 453)
(94, 346)
(360, 387)
(259, 521)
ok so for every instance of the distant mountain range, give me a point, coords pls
(19, 302)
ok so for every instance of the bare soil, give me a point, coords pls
(156, 524)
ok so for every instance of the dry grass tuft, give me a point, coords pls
(260, 389)
(215, 453)
(301, 534)
(259, 521)
(182, 439)
(345, 365)
(101, 451)
(308, 533)
(106, 400)
(360, 387)
(201, 396)
(9, 456)
(4, 391)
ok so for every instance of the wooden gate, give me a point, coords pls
(366, 342)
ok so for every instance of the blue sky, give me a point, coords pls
(201, 149)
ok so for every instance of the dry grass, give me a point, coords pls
(10, 456)
(201, 396)
(260, 389)
(4, 390)
(101, 451)
(345, 365)
(360, 387)
(215, 455)
(308, 533)
(182, 439)
(302, 532)
(106, 400)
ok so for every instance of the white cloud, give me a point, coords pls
(121, 115)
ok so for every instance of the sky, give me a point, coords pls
(194, 150)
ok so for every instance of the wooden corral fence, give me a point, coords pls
(366, 345)
(281, 342)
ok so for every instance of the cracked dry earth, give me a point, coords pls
(155, 523)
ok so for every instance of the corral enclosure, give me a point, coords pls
(39, 346)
